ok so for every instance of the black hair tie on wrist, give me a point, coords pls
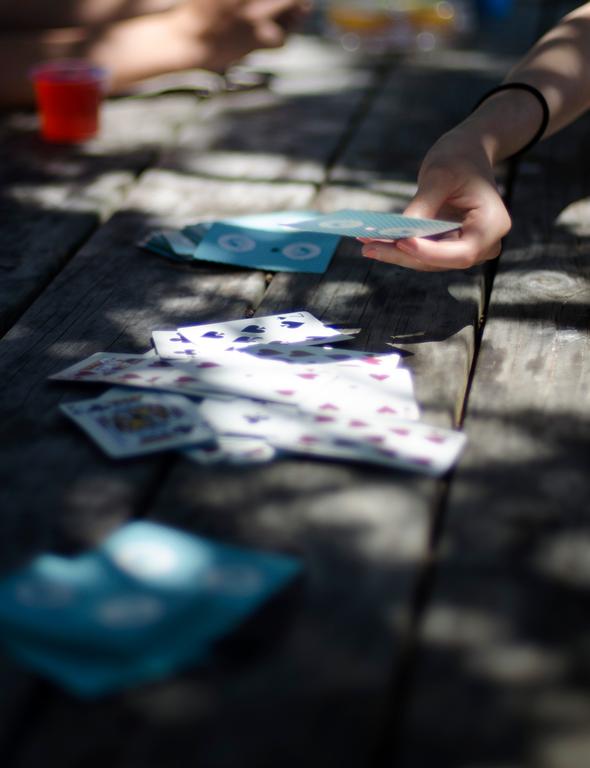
(540, 98)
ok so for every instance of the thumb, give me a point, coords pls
(433, 192)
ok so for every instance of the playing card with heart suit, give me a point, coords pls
(330, 433)
(404, 444)
(143, 371)
(382, 394)
(243, 375)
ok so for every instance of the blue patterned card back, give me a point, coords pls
(381, 226)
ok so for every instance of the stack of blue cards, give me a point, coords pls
(147, 602)
(260, 241)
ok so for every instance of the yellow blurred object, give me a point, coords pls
(363, 21)
(439, 14)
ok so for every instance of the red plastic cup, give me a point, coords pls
(69, 93)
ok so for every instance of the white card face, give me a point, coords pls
(247, 418)
(285, 374)
(380, 394)
(237, 450)
(142, 371)
(99, 367)
(137, 423)
(288, 328)
(242, 375)
(323, 356)
(399, 443)
(406, 444)
(172, 345)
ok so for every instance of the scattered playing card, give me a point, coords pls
(381, 226)
(172, 345)
(330, 433)
(319, 356)
(136, 423)
(242, 375)
(102, 366)
(257, 241)
(287, 328)
(82, 604)
(143, 371)
(233, 449)
(273, 382)
(172, 244)
(267, 250)
(148, 601)
(403, 444)
(359, 392)
(245, 417)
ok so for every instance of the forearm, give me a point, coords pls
(558, 65)
(130, 50)
(29, 15)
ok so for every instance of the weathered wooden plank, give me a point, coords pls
(315, 694)
(285, 133)
(318, 692)
(505, 638)
(53, 197)
(110, 297)
(62, 495)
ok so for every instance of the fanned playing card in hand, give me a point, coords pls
(135, 423)
(380, 226)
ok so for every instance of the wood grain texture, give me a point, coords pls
(505, 638)
(52, 197)
(312, 680)
(316, 692)
(361, 532)
(58, 491)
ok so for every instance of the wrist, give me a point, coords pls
(463, 145)
(509, 120)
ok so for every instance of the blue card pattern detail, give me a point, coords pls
(256, 241)
(266, 249)
(384, 226)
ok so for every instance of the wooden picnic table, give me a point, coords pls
(439, 622)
